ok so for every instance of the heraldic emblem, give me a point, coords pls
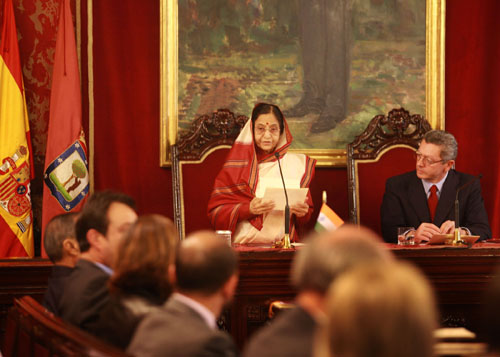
(15, 188)
(67, 176)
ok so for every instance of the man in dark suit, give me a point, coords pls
(63, 250)
(424, 198)
(206, 278)
(314, 268)
(102, 223)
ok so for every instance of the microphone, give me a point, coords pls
(457, 207)
(286, 243)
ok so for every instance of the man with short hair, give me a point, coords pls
(63, 250)
(314, 268)
(425, 198)
(104, 220)
(206, 277)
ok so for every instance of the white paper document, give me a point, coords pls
(295, 195)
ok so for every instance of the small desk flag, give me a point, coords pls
(328, 220)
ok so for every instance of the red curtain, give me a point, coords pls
(127, 107)
(473, 95)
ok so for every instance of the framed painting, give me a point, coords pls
(331, 66)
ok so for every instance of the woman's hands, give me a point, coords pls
(299, 209)
(261, 206)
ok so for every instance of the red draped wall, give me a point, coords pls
(473, 93)
(126, 97)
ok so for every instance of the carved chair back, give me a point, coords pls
(31, 330)
(196, 155)
(384, 149)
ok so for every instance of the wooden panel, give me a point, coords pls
(19, 277)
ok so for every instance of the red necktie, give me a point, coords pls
(432, 201)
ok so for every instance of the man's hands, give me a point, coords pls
(426, 230)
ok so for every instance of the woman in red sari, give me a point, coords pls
(237, 202)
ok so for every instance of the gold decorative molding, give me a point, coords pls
(435, 63)
(168, 78)
(90, 80)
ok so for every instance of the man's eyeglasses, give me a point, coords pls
(425, 159)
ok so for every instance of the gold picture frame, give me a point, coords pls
(434, 78)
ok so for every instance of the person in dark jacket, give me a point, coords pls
(140, 280)
(63, 250)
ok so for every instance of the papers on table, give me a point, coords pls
(295, 195)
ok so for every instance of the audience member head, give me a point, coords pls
(490, 326)
(206, 266)
(104, 220)
(380, 310)
(144, 257)
(60, 239)
(329, 254)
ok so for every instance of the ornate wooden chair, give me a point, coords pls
(384, 149)
(197, 154)
(31, 330)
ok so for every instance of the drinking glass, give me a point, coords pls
(406, 236)
(226, 235)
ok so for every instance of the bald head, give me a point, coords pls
(204, 263)
(331, 253)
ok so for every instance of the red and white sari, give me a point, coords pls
(244, 177)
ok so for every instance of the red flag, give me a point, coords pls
(66, 175)
(16, 228)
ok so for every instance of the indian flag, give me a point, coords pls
(328, 220)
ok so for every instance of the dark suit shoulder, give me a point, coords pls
(84, 295)
(461, 177)
(55, 287)
(404, 178)
(169, 331)
(290, 334)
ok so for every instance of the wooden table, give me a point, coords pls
(458, 275)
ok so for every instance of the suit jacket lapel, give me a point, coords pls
(418, 199)
(447, 198)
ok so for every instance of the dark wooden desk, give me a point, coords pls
(458, 275)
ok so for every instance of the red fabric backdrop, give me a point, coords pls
(473, 94)
(126, 80)
(126, 97)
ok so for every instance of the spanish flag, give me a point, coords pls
(328, 220)
(16, 228)
(66, 177)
